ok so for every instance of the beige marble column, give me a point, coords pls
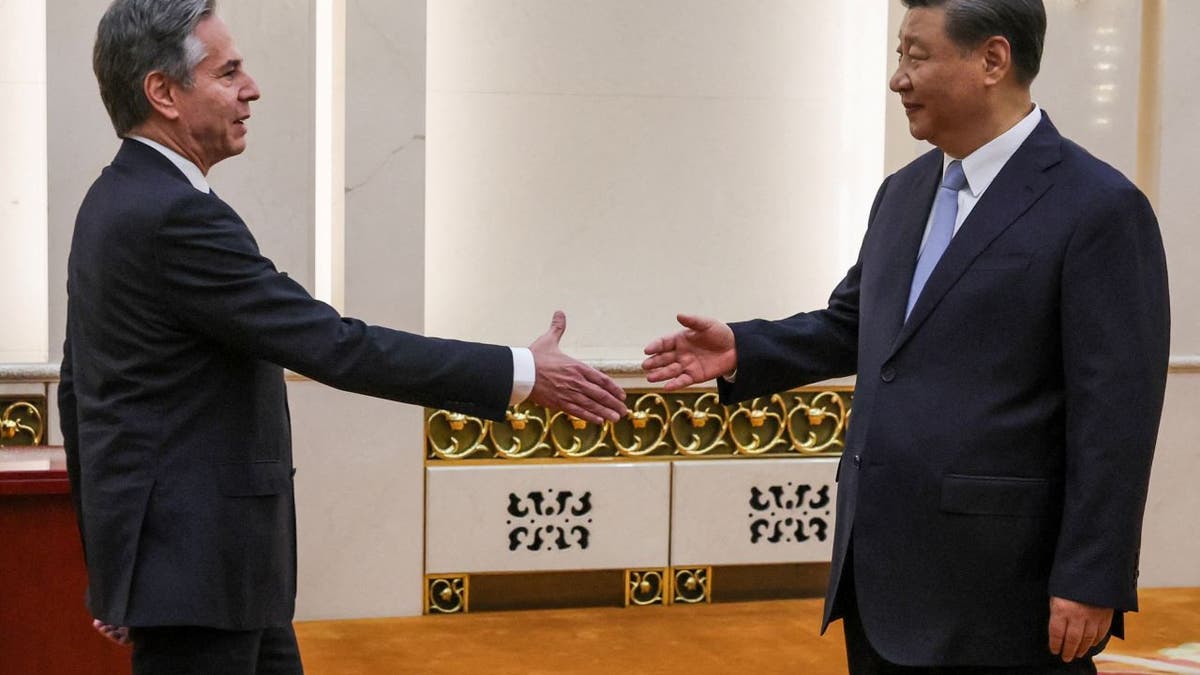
(23, 330)
(360, 483)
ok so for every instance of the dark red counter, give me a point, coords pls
(44, 627)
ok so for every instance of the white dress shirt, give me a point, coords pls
(524, 372)
(189, 170)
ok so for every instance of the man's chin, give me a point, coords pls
(918, 131)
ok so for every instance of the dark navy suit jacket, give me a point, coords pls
(1000, 443)
(174, 409)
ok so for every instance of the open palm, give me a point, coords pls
(705, 349)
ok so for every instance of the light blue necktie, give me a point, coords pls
(941, 230)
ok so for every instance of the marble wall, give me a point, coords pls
(1171, 541)
(23, 182)
(628, 160)
(621, 160)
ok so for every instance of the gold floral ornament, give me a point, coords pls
(575, 437)
(822, 420)
(691, 585)
(644, 429)
(21, 418)
(452, 435)
(702, 424)
(446, 595)
(522, 435)
(763, 420)
(645, 587)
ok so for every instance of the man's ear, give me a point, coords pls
(997, 59)
(160, 92)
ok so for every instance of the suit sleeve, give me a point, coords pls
(1116, 340)
(774, 356)
(69, 424)
(215, 281)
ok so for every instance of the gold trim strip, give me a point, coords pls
(1149, 100)
(693, 424)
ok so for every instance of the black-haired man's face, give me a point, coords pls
(940, 84)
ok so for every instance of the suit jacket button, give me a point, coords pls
(887, 375)
(857, 459)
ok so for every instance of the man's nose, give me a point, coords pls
(899, 81)
(250, 92)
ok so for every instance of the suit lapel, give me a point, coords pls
(902, 245)
(1021, 182)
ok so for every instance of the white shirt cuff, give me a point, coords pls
(731, 377)
(524, 374)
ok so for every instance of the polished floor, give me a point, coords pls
(759, 638)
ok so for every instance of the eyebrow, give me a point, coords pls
(231, 63)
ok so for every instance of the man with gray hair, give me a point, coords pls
(172, 397)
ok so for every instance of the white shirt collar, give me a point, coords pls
(982, 166)
(190, 171)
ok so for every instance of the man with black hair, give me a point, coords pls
(1008, 322)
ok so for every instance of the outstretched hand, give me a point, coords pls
(703, 351)
(566, 384)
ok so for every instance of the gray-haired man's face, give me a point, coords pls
(214, 110)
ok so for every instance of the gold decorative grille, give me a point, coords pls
(689, 424)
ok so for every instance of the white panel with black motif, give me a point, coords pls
(733, 512)
(547, 517)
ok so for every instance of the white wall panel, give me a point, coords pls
(736, 512)
(547, 517)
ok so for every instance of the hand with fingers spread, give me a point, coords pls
(703, 351)
(1076, 627)
(117, 634)
(566, 384)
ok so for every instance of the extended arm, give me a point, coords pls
(218, 283)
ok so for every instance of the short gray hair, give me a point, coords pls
(137, 37)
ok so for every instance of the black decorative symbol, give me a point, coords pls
(548, 526)
(789, 513)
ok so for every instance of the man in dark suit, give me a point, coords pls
(1007, 320)
(174, 409)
